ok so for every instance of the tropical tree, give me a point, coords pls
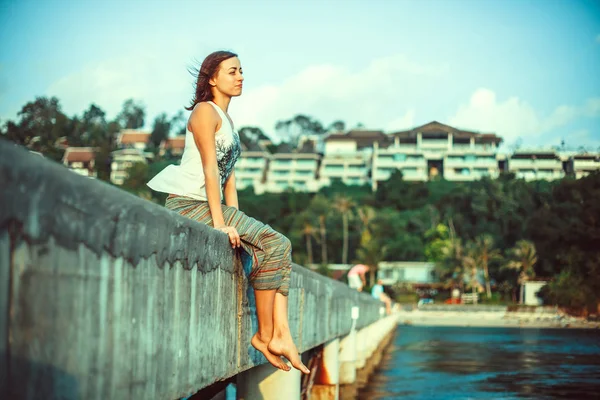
(371, 253)
(471, 269)
(438, 238)
(451, 267)
(366, 215)
(309, 231)
(320, 207)
(344, 206)
(132, 115)
(137, 176)
(484, 253)
(522, 258)
(338, 126)
(251, 135)
(292, 129)
(41, 124)
(160, 130)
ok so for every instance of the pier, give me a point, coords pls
(109, 296)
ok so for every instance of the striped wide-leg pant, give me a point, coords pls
(270, 251)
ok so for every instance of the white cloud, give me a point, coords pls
(161, 83)
(373, 96)
(405, 122)
(514, 118)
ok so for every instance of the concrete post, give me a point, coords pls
(327, 381)
(348, 353)
(264, 382)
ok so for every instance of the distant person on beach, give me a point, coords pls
(206, 177)
(356, 276)
(378, 293)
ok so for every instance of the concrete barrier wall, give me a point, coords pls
(106, 295)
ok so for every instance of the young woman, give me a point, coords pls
(196, 189)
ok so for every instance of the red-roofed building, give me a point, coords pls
(133, 138)
(81, 160)
(175, 145)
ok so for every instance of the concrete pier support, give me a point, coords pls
(264, 382)
(348, 353)
(327, 381)
(369, 344)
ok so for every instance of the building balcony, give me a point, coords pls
(251, 163)
(554, 164)
(586, 164)
(460, 162)
(434, 143)
(242, 174)
(515, 164)
(460, 147)
(350, 172)
(280, 166)
(408, 162)
(549, 174)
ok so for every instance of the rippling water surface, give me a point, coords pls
(488, 363)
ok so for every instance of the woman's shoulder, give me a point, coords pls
(204, 113)
(204, 108)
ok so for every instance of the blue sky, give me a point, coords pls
(527, 69)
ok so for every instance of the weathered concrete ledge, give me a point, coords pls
(106, 295)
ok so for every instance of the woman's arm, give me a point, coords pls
(230, 192)
(204, 123)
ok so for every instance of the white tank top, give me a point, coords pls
(187, 179)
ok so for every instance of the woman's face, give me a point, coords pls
(229, 77)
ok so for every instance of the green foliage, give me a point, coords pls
(137, 176)
(160, 129)
(292, 129)
(40, 126)
(540, 228)
(566, 230)
(132, 115)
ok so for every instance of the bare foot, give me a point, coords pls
(283, 345)
(263, 348)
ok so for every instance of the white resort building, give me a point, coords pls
(534, 164)
(348, 157)
(292, 168)
(584, 163)
(433, 150)
(251, 167)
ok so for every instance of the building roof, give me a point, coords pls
(535, 153)
(79, 154)
(434, 128)
(363, 138)
(133, 136)
(586, 156)
(177, 142)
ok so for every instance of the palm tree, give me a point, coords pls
(470, 266)
(320, 207)
(366, 215)
(484, 253)
(522, 258)
(344, 205)
(452, 266)
(309, 231)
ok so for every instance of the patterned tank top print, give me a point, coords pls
(228, 149)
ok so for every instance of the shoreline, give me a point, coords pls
(492, 319)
